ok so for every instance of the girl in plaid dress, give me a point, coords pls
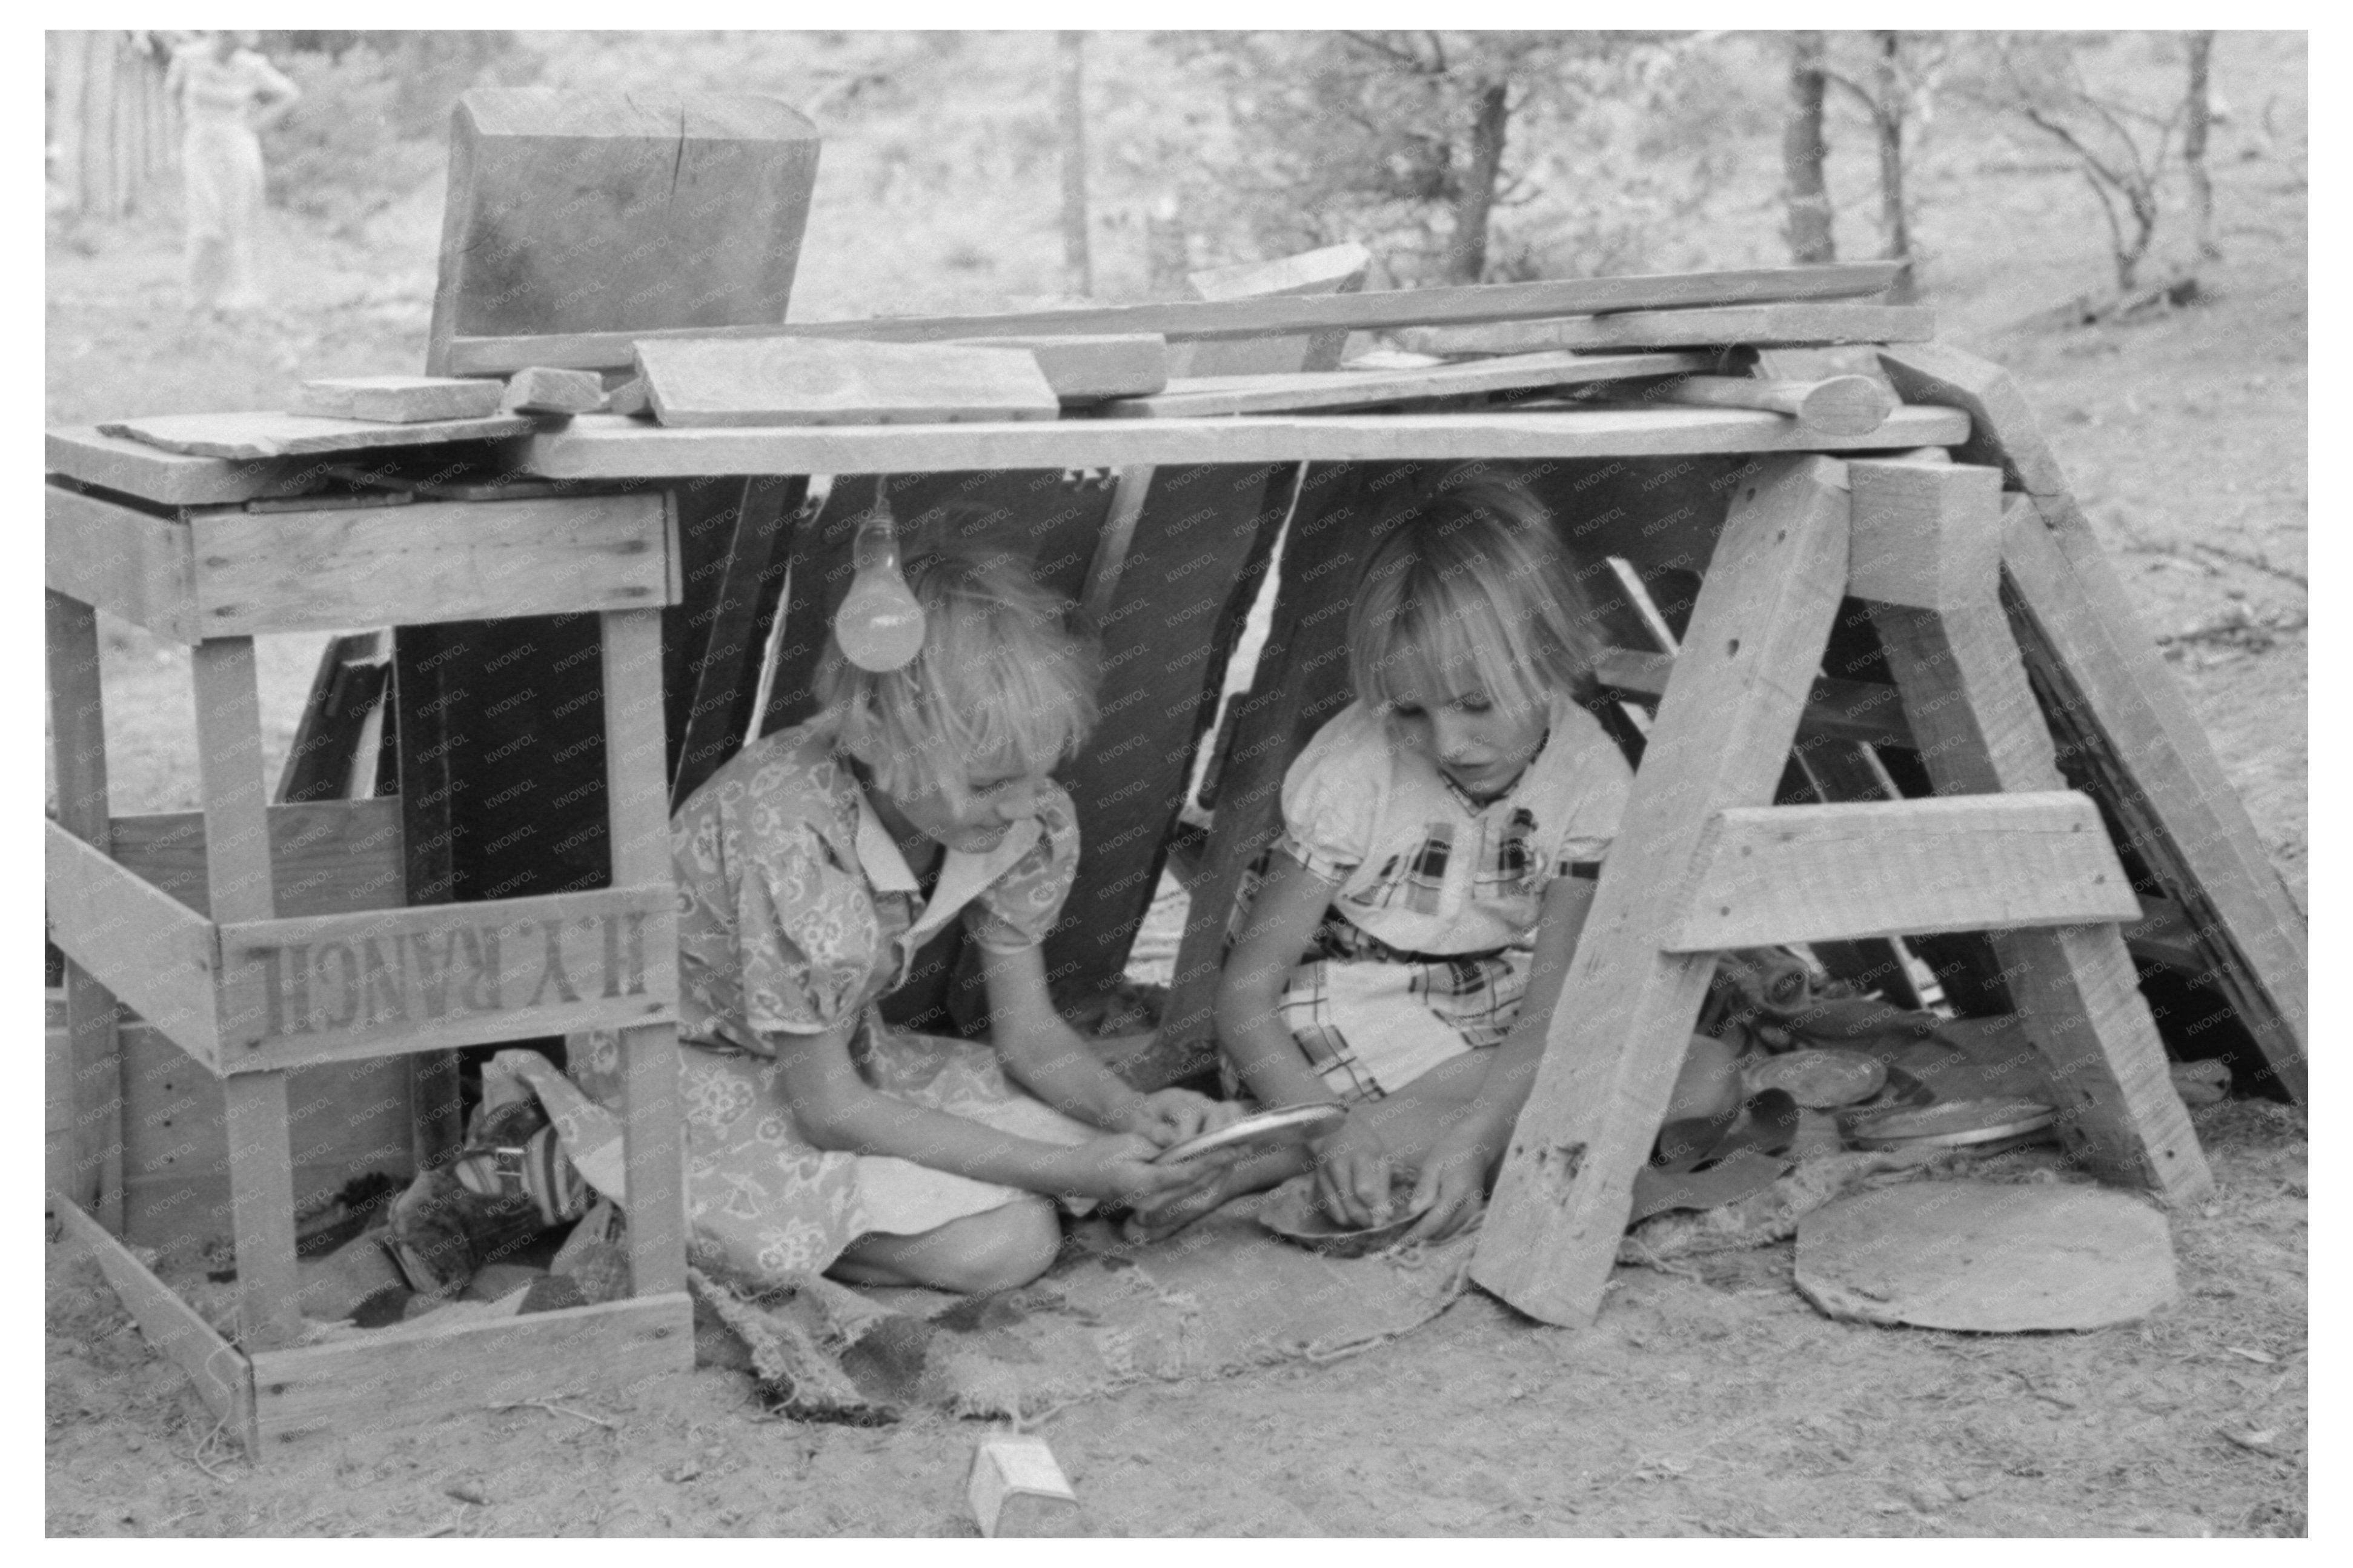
(1441, 836)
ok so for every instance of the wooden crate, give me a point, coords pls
(278, 970)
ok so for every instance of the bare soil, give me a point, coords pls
(1710, 1400)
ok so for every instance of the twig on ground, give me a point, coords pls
(550, 1404)
(1650, 1259)
(2258, 562)
(204, 1442)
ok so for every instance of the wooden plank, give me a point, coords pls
(693, 206)
(436, 561)
(1839, 406)
(2120, 703)
(129, 563)
(2123, 714)
(544, 389)
(1848, 710)
(1193, 567)
(1625, 1016)
(330, 987)
(82, 453)
(224, 1378)
(396, 399)
(1748, 327)
(326, 857)
(342, 1119)
(603, 446)
(1334, 270)
(326, 762)
(1089, 368)
(139, 942)
(483, 354)
(1802, 874)
(1901, 552)
(1200, 396)
(695, 382)
(422, 1372)
(1981, 732)
(78, 765)
(717, 639)
(239, 888)
(2164, 935)
(271, 434)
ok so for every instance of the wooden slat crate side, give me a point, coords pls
(144, 945)
(431, 562)
(326, 857)
(337, 988)
(128, 563)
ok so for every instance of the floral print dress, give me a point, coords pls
(797, 914)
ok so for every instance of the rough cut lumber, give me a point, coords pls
(1849, 710)
(775, 381)
(1087, 368)
(597, 446)
(1905, 554)
(326, 857)
(2118, 705)
(1202, 395)
(1625, 1016)
(1981, 732)
(1750, 326)
(630, 400)
(1842, 406)
(396, 399)
(1334, 270)
(82, 453)
(145, 947)
(269, 435)
(544, 389)
(585, 349)
(1803, 874)
(340, 987)
(77, 762)
(426, 1371)
(129, 563)
(578, 211)
(224, 1378)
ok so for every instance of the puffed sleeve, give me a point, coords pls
(1020, 907)
(1331, 795)
(1604, 782)
(805, 933)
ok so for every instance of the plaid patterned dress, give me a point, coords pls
(1424, 951)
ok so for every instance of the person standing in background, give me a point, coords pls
(227, 93)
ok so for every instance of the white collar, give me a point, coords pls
(962, 876)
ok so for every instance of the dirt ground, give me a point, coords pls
(1711, 1401)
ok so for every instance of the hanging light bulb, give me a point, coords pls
(879, 626)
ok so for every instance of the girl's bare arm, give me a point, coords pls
(1042, 1052)
(1512, 1073)
(1289, 904)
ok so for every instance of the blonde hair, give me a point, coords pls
(1005, 675)
(1475, 575)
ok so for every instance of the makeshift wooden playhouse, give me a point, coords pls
(1897, 694)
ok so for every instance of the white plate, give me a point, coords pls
(1293, 1124)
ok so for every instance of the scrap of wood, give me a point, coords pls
(629, 399)
(779, 381)
(596, 446)
(1753, 326)
(396, 399)
(1842, 404)
(544, 390)
(1203, 395)
(1803, 874)
(271, 435)
(1086, 368)
(1334, 270)
(1903, 551)
(81, 453)
(1383, 311)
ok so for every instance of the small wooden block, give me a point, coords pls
(1926, 535)
(630, 399)
(396, 399)
(786, 381)
(1017, 1490)
(543, 389)
(269, 435)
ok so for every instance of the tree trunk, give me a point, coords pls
(2193, 143)
(1466, 256)
(1803, 189)
(1078, 271)
(1166, 258)
(1894, 224)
